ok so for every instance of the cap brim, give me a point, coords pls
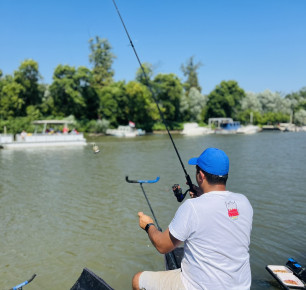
(193, 161)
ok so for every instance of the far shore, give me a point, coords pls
(160, 132)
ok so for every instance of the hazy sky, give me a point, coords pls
(259, 43)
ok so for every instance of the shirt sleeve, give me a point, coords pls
(182, 225)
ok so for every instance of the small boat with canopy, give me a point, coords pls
(47, 133)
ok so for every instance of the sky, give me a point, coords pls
(261, 44)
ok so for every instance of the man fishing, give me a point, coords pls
(215, 228)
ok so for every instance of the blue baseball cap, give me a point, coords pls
(213, 161)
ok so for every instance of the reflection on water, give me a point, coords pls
(65, 209)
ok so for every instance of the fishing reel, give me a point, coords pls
(178, 192)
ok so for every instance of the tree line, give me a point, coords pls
(92, 98)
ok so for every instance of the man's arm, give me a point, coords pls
(164, 242)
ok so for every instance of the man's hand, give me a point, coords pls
(196, 191)
(144, 220)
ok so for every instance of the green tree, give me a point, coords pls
(47, 106)
(169, 92)
(224, 101)
(28, 77)
(297, 102)
(84, 80)
(66, 92)
(102, 59)
(11, 104)
(114, 104)
(300, 117)
(272, 102)
(273, 118)
(193, 105)
(190, 71)
(146, 76)
(245, 117)
(251, 102)
(141, 109)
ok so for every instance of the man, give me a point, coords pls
(215, 228)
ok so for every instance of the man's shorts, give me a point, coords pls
(161, 280)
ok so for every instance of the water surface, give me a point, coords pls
(64, 209)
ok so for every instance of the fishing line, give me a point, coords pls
(189, 182)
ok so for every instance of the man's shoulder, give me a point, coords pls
(237, 194)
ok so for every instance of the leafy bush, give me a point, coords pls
(171, 126)
(17, 125)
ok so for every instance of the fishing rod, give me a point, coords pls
(176, 189)
(169, 255)
(19, 286)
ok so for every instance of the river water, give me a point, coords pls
(64, 209)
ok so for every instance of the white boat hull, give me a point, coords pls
(249, 129)
(193, 129)
(44, 140)
(125, 131)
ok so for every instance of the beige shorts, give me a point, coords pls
(161, 280)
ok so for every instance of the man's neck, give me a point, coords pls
(215, 187)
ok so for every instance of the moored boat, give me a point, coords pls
(193, 129)
(290, 276)
(125, 131)
(224, 125)
(88, 280)
(47, 138)
(248, 129)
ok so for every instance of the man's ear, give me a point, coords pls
(202, 176)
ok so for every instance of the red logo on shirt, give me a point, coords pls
(232, 210)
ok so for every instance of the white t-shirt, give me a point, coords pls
(216, 229)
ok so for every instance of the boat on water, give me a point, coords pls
(287, 127)
(290, 276)
(224, 125)
(282, 127)
(88, 280)
(125, 131)
(48, 137)
(193, 129)
(248, 129)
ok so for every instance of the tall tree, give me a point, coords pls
(169, 92)
(141, 109)
(66, 93)
(297, 102)
(84, 80)
(11, 104)
(197, 102)
(114, 104)
(28, 77)
(190, 71)
(300, 117)
(102, 59)
(273, 102)
(141, 76)
(251, 102)
(225, 100)
(192, 106)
